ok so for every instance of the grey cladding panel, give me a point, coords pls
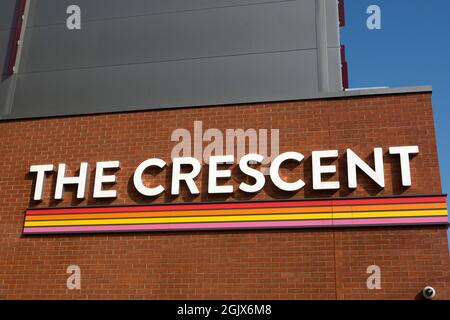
(172, 84)
(6, 87)
(7, 13)
(186, 35)
(45, 12)
(5, 36)
(149, 54)
(4, 80)
(7, 30)
(334, 65)
(332, 23)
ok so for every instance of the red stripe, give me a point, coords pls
(248, 205)
(342, 202)
(175, 207)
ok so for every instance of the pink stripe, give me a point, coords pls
(235, 225)
(389, 221)
(180, 226)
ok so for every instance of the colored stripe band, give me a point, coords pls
(246, 215)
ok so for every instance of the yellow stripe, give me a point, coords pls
(345, 215)
(387, 214)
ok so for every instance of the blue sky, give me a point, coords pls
(411, 48)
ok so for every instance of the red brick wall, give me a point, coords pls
(302, 263)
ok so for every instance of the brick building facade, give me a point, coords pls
(306, 263)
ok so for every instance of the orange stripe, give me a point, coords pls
(236, 212)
